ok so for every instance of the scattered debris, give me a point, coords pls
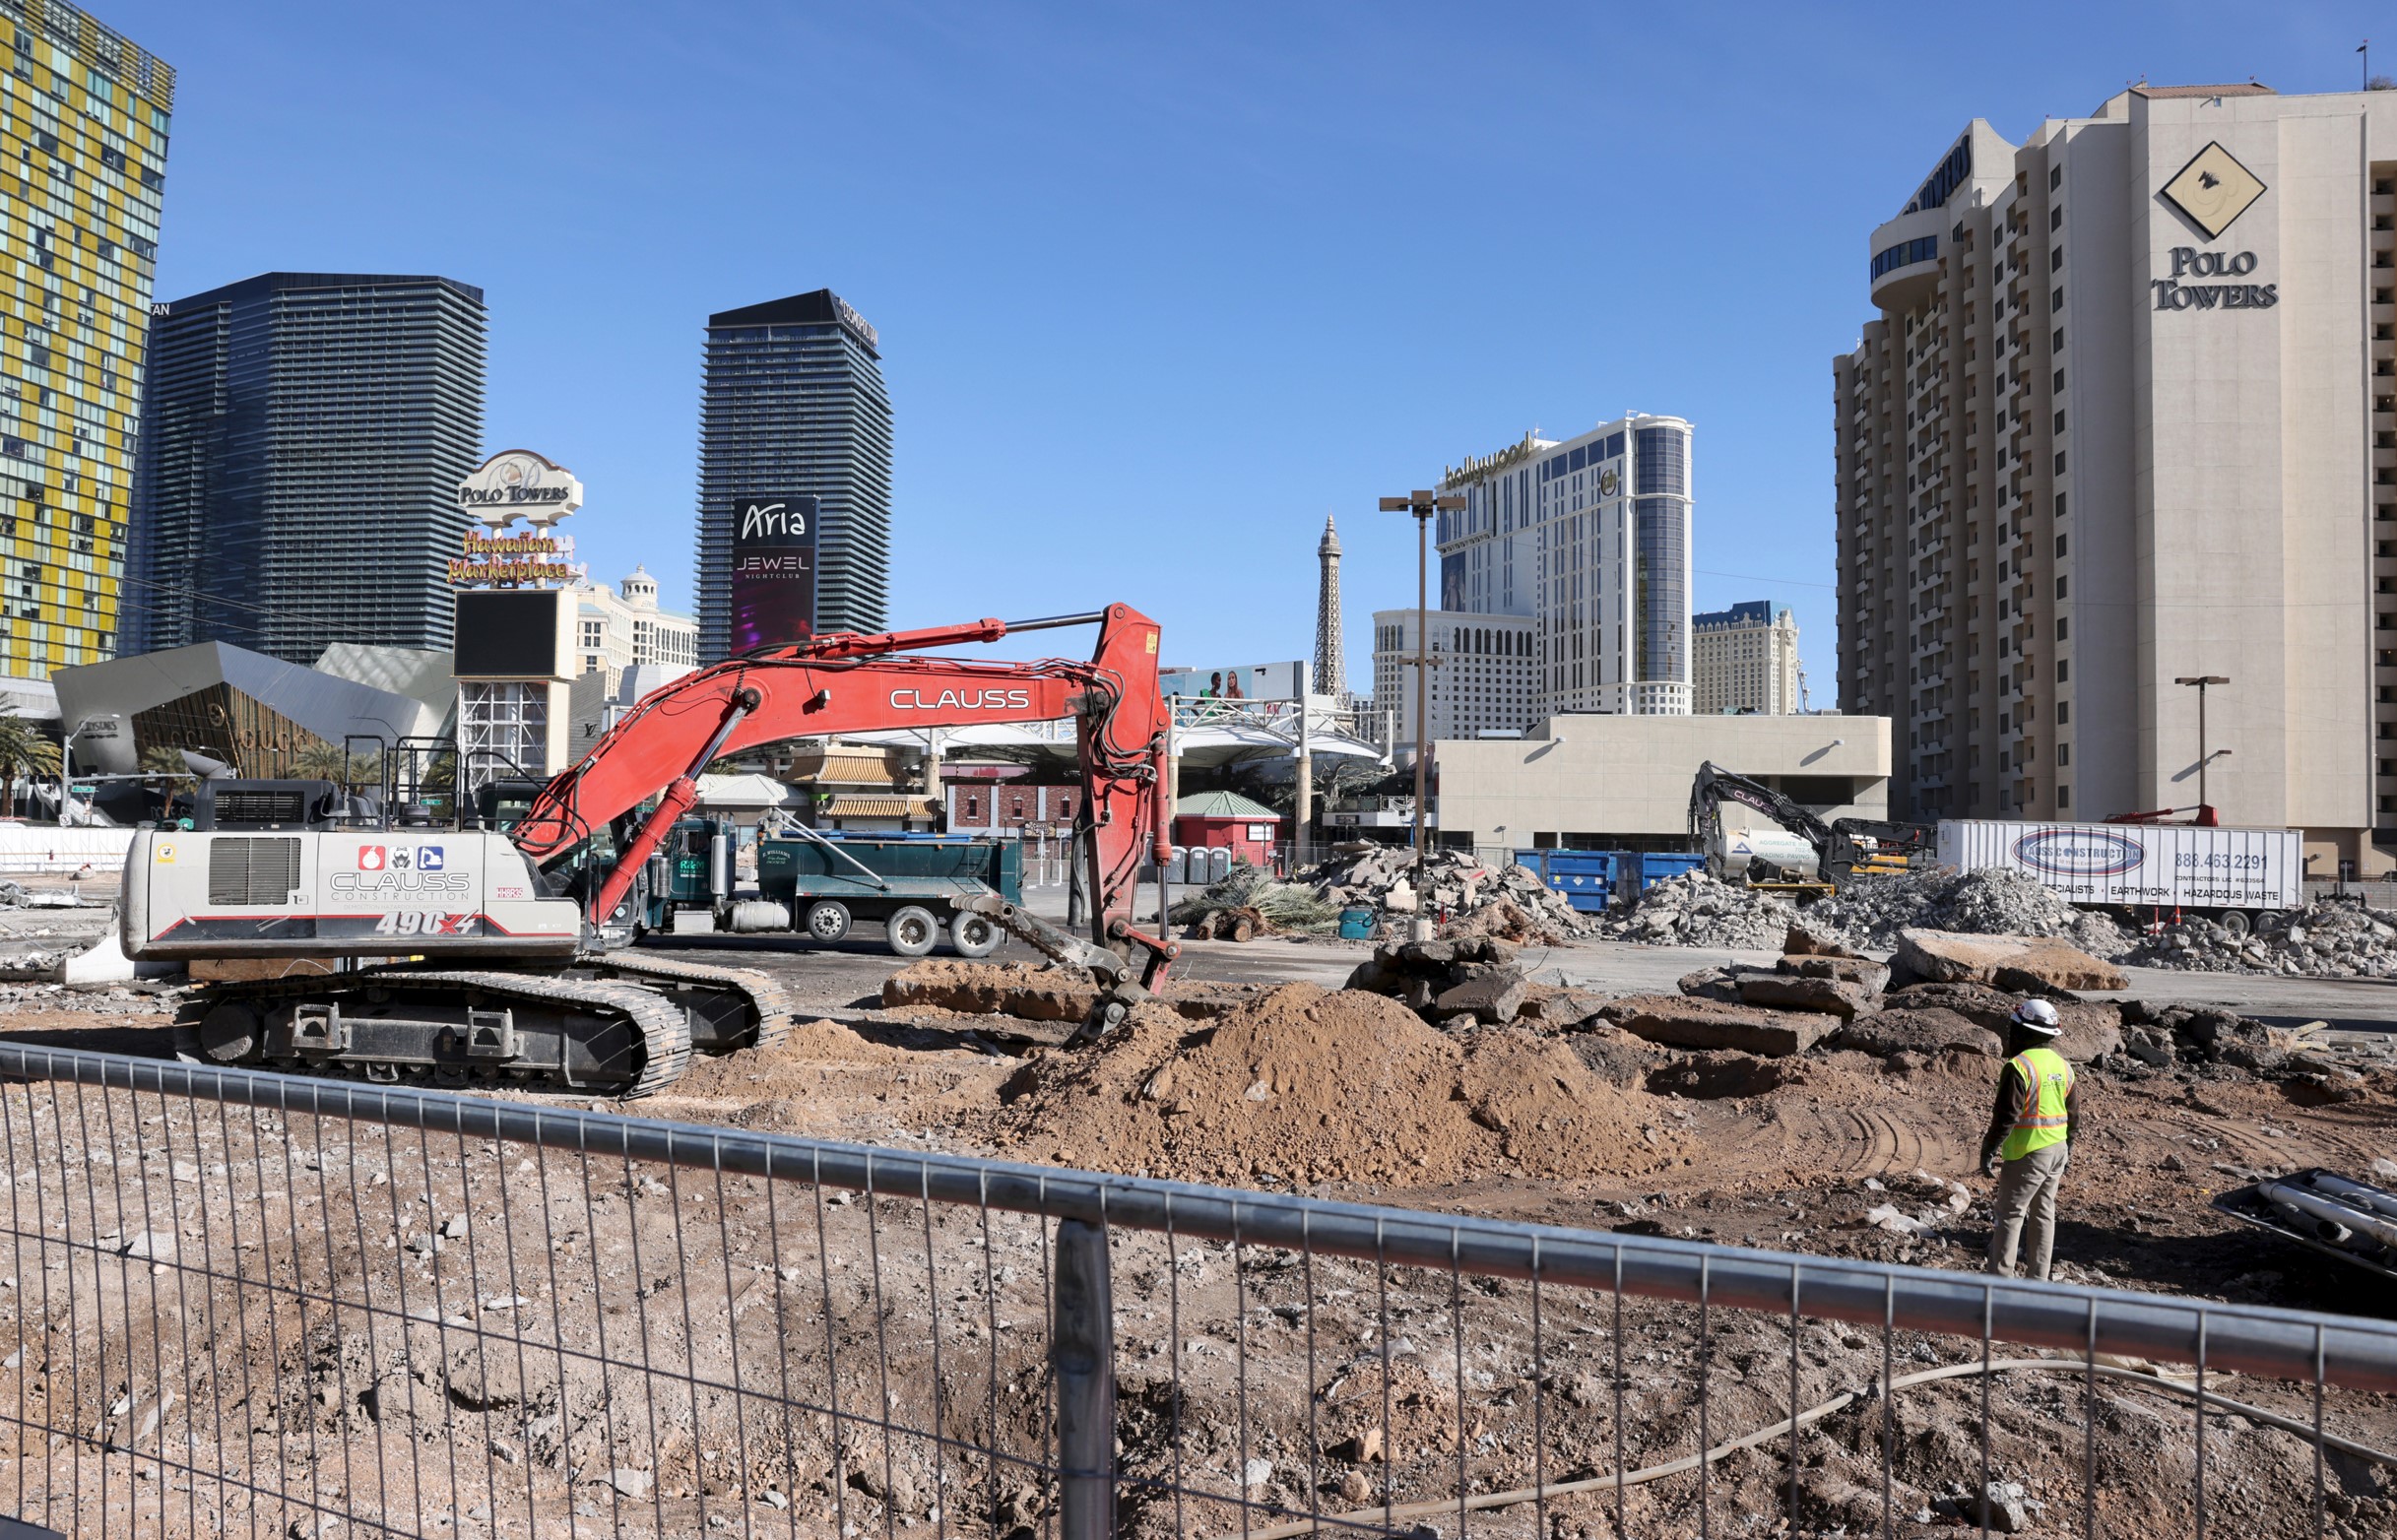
(1250, 898)
(2353, 1221)
(1460, 892)
(2328, 938)
(1695, 910)
(1871, 911)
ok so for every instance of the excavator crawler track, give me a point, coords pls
(765, 1008)
(587, 1037)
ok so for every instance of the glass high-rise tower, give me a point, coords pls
(82, 169)
(304, 435)
(793, 405)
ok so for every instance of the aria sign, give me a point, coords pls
(517, 483)
(2189, 262)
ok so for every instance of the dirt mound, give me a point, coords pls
(1311, 1086)
(1031, 992)
(822, 1040)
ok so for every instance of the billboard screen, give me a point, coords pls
(1235, 682)
(773, 571)
(513, 633)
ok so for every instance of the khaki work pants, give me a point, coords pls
(2026, 1210)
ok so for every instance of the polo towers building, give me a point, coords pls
(2127, 415)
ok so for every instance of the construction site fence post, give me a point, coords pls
(1081, 1350)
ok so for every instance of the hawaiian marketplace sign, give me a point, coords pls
(513, 485)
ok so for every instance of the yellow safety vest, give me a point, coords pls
(2044, 1121)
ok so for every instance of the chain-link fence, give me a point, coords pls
(238, 1303)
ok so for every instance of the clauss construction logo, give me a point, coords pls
(2079, 852)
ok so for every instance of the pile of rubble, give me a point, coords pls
(1695, 910)
(1472, 980)
(1871, 910)
(1462, 894)
(2181, 1037)
(1941, 991)
(2327, 939)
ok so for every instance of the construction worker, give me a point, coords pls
(2030, 1133)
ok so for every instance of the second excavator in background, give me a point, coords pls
(1800, 851)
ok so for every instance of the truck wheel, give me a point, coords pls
(2235, 924)
(974, 935)
(913, 931)
(827, 921)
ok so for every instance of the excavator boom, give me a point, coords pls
(858, 684)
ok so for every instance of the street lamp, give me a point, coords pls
(1424, 505)
(2202, 680)
(66, 761)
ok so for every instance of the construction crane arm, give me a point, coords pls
(856, 683)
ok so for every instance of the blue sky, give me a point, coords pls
(1157, 288)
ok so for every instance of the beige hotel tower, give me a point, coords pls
(2127, 415)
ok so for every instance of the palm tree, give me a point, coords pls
(321, 762)
(22, 748)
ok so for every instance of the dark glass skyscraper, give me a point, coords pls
(793, 405)
(303, 435)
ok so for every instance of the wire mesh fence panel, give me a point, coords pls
(240, 1304)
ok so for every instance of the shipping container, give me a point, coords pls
(2138, 866)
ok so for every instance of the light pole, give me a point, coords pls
(1424, 505)
(66, 763)
(2202, 680)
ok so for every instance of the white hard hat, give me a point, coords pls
(2039, 1017)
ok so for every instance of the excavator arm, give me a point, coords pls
(1713, 786)
(857, 684)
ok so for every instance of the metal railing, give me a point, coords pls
(254, 1304)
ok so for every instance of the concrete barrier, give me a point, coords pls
(43, 846)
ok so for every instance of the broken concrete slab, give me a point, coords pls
(1802, 942)
(1975, 1002)
(1551, 1006)
(1873, 976)
(1951, 956)
(1492, 998)
(1713, 984)
(2091, 1029)
(1687, 1021)
(1791, 991)
(1926, 1031)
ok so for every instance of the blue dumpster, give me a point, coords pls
(1587, 877)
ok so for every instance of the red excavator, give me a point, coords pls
(521, 969)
